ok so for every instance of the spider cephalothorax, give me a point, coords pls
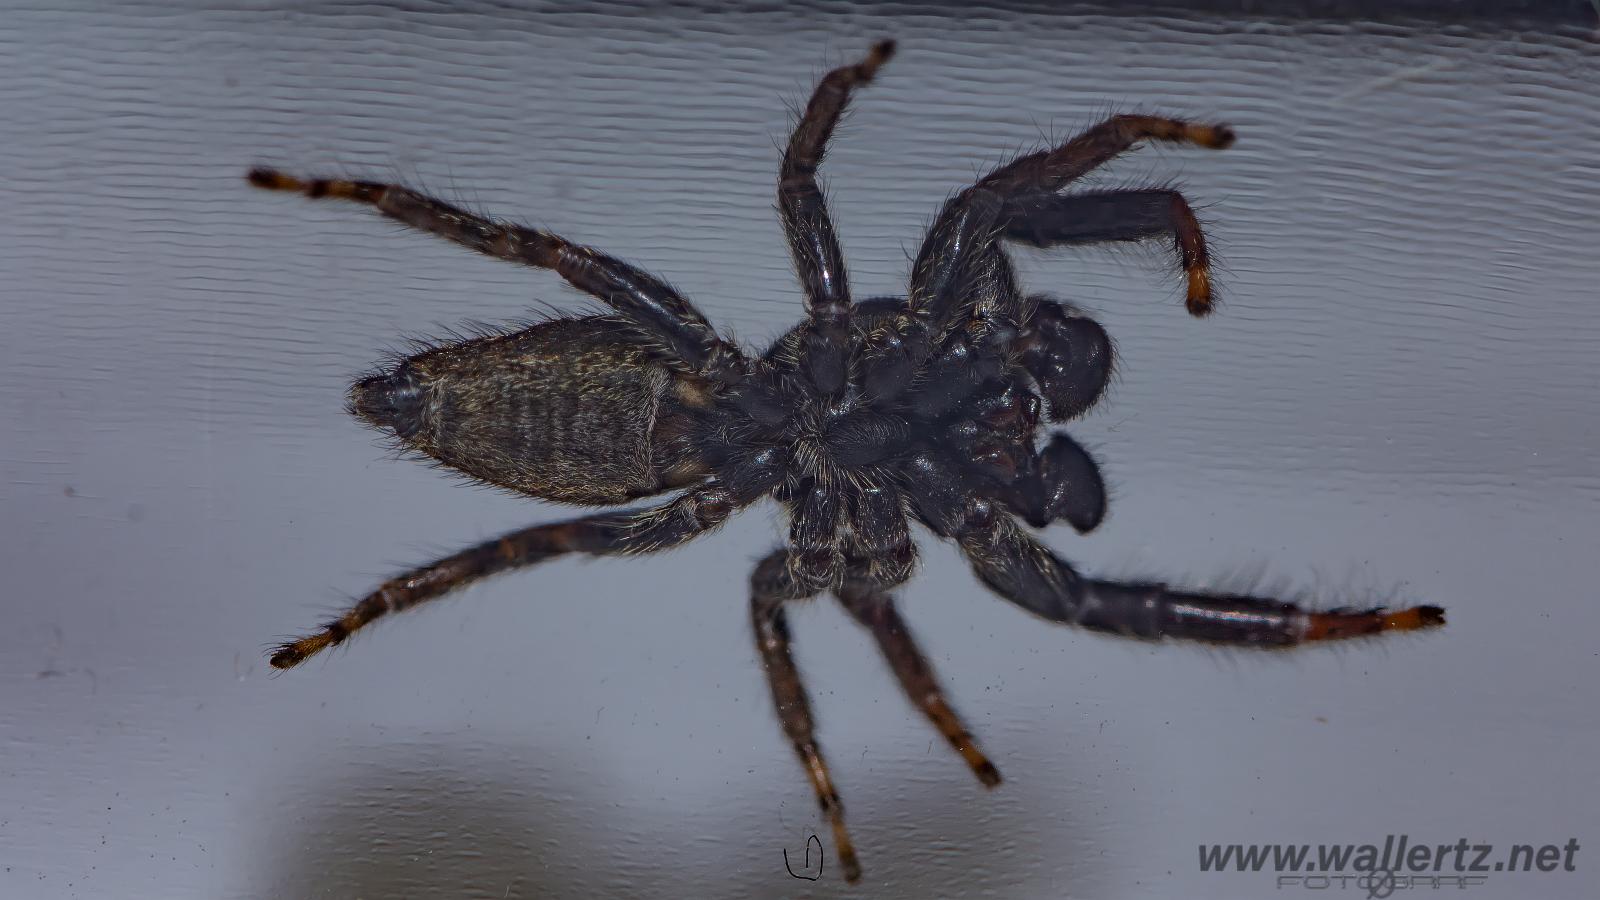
(862, 419)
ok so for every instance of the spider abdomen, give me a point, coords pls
(563, 410)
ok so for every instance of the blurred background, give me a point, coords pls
(1394, 403)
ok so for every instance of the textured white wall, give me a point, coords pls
(1397, 398)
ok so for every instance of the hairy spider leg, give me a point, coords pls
(877, 526)
(815, 556)
(642, 298)
(1069, 355)
(1053, 170)
(955, 255)
(875, 609)
(956, 251)
(630, 531)
(997, 299)
(1037, 173)
(1051, 220)
(1019, 569)
(983, 350)
(882, 538)
(771, 586)
(818, 261)
(1015, 566)
(958, 263)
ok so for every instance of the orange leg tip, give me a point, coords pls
(1335, 625)
(273, 180)
(1216, 137)
(987, 774)
(296, 652)
(1198, 299)
(851, 868)
(880, 53)
(849, 864)
(285, 658)
(1414, 618)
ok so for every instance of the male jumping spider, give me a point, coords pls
(861, 419)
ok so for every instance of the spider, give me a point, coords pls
(863, 418)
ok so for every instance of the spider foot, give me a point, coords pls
(1214, 137)
(293, 653)
(273, 180)
(1336, 624)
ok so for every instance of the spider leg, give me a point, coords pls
(818, 261)
(641, 297)
(1015, 566)
(997, 295)
(1050, 219)
(815, 557)
(1068, 354)
(1052, 170)
(957, 254)
(983, 347)
(633, 531)
(882, 554)
(879, 535)
(960, 275)
(942, 263)
(875, 609)
(771, 586)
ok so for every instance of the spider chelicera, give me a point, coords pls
(863, 418)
